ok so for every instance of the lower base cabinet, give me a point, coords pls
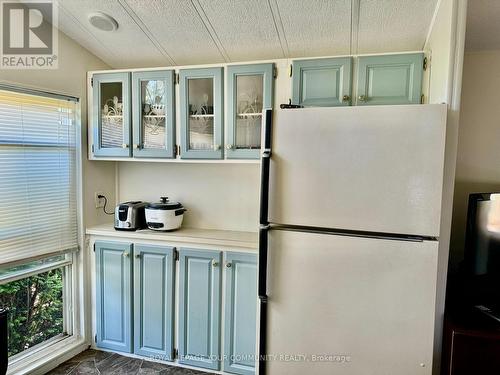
(199, 307)
(153, 301)
(135, 288)
(240, 313)
(114, 296)
(146, 326)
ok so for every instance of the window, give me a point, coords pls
(38, 215)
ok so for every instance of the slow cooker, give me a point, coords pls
(164, 215)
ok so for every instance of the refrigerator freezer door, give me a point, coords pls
(366, 305)
(374, 168)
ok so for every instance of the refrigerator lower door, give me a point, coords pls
(350, 306)
(374, 168)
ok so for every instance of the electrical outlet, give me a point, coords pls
(99, 202)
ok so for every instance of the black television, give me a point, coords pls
(481, 264)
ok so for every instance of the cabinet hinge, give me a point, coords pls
(92, 148)
(422, 99)
(290, 70)
(175, 353)
(92, 82)
(176, 254)
(176, 78)
(275, 72)
(425, 64)
(95, 338)
(94, 247)
(177, 150)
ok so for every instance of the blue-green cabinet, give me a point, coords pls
(153, 300)
(240, 313)
(114, 295)
(322, 82)
(390, 79)
(153, 114)
(199, 307)
(249, 91)
(111, 114)
(201, 113)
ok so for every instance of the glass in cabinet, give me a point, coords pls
(111, 114)
(153, 114)
(250, 90)
(201, 113)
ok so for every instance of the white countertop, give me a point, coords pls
(210, 237)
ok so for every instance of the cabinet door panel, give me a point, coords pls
(113, 296)
(153, 114)
(111, 114)
(199, 308)
(322, 82)
(390, 79)
(240, 313)
(153, 300)
(201, 113)
(250, 90)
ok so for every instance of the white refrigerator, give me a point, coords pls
(350, 216)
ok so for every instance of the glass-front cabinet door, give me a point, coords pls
(201, 113)
(111, 114)
(250, 90)
(153, 114)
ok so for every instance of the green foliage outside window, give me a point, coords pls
(35, 309)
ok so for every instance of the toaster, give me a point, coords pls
(130, 216)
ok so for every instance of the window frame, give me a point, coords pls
(75, 299)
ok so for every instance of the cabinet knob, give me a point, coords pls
(138, 256)
(346, 98)
(362, 98)
(124, 145)
(215, 263)
(229, 147)
(136, 145)
(126, 255)
(228, 264)
(216, 147)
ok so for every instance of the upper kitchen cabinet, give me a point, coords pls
(390, 79)
(111, 114)
(249, 91)
(153, 114)
(201, 113)
(322, 82)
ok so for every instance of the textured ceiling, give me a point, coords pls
(181, 32)
(483, 25)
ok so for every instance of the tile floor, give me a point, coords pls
(97, 362)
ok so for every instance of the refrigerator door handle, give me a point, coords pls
(263, 237)
(265, 164)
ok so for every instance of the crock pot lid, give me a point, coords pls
(164, 205)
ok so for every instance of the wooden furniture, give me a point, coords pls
(471, 344)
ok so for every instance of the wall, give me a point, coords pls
(217, 196)
(71, 79)
(445, 45)
(439, 51)
(478, 162)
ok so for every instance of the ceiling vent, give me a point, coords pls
(103, 22)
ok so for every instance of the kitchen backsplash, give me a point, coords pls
(217, 196)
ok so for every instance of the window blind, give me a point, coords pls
(37, 176)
